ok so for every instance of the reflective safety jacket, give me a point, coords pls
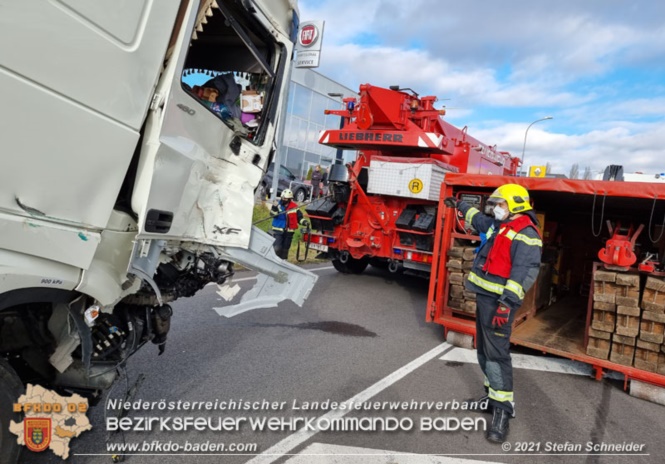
(285, 221)
(507, 264)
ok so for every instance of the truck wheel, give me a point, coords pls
(357, 266)
(300, 195)
(340, 266)
(352, 266)
(11, 388)
(379, 263)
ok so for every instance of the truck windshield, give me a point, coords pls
(231, 68)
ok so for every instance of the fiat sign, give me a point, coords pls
(308, 35)
(308, 47)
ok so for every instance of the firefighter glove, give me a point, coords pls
(450, 202)
(304, 222)
(501, 316)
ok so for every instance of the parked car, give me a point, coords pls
(301, 190)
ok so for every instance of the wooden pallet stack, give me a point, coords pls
(615, 322)
(628, 319)
(604, 314)
(650, 350)
(460, 262)
(628, 325)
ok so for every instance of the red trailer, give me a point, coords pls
(609, 316)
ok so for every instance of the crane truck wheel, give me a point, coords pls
(379, 263)
(340, 266)
(351, 266)
(11, 388)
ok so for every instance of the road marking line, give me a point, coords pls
(524, 361)
(356, 455)
(296, 439)
(322, 268)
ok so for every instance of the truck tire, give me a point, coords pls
(11, 388)
(352, 266)
(379, 263)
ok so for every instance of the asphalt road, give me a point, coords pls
(362, 338)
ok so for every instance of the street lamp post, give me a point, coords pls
(339, 157)
(525, 134)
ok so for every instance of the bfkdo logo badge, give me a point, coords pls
(37, 433)
(50, 421)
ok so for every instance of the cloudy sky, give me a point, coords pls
(596, 66)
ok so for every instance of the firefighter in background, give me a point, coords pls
(286, 217)
(504, 269)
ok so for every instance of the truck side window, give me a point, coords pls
(230, 68)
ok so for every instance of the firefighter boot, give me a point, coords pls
(498, 431)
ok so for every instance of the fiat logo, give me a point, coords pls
(308, 35)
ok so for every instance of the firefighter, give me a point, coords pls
(504, 269)
(286, 217)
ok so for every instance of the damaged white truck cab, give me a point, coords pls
(123, 185)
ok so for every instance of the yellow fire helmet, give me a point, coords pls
(287, 194)
(515, 195)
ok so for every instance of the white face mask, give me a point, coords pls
(499, 213)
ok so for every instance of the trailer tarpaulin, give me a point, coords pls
(583, 187)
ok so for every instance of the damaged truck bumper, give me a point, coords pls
(278, 280)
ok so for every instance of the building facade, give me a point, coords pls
(309, 97)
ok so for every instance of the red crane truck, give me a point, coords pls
(381, 209)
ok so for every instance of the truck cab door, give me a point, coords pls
(199, 167)
(199, 164)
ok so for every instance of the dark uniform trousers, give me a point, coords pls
(282, 245)
(493, 348)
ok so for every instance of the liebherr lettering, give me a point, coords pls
(371, 136)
